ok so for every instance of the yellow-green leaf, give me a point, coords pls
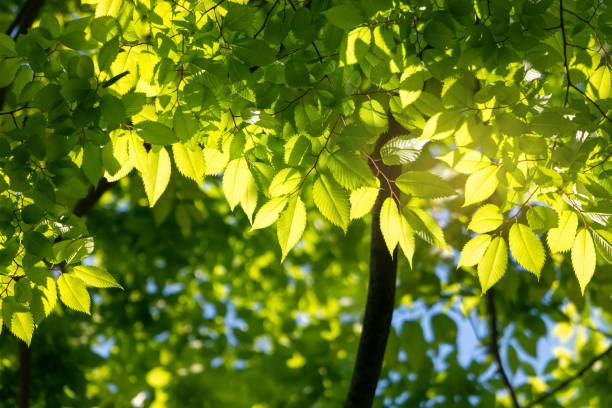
(73, 293)
(441, 125)
(138, 153)
(390, 223)
(362, 201)
(526, 248)
(269, 212)
(424, 184)
(157, 175)
(493, 264)
(95, 276)
(406, 239)
(350, 170)
(18, 319)
(190, 163)
(285, 182)
(473, 250)
(481, 185)
(235, 180)
(249, 199)
(290, 225)
(561, 238)
(583, 258)
(332, 201)
(599, 83)
(486, 218)
(465, 161)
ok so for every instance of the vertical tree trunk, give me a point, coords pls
(381, 293)
(24, 375)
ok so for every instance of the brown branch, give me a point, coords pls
(381, 295)
(569, 380)
(266, 19)
(85, 204)
(24, 375)
(493, 335)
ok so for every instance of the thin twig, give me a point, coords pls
(495, 346)
(568, 381)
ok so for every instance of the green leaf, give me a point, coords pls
(599, 85)
(190, 163)
(269, 212)
(285, 182)
(73, 251)
(249, 198)
(73, 293)
(295, 149)
(561, 238)
(235, 180)
(374, 116)
(44, 298)
(92, 163)
(541, 219)
(137, 151)
(357, 45)
(156, 133)
(602, 240)
(583, 258)
(526, 248)
(8, 67)
(332, 201)
(424, 184)
(184, 124)
(362, 201)
(345, 16)
(406, 239)
(95, 276)
(390, 223)
(215, 161)
(441, 125)
(290, 225)
(473, 250)
(493, 264)
(465, 161)
(350, 170)
(411, 82)
(37, 244)
(18, 319)
(157, 175)
(425, 226)
(486, 218)
(31, 214)
(401, 150)
(481, 185)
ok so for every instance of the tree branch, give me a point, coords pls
(381, 295)
(567, 382)
(24, 375)
(495, 346)
(23, 20)
(85, 204)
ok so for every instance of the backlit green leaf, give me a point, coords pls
(190, 163)
(390, 223)
(481, 185)
(423, 184)
(561, 238)
(95, 276)
(73, 293)
(235, 180)
(157, 175)
(526, 248)
(474, 250)
(269, 212)
(583, 258)
(362, 201)
(291, 224)
(332, 201)
(486, 218)
(493, 264)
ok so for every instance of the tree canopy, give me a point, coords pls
(201, 178)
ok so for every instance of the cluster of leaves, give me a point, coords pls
(286, 101)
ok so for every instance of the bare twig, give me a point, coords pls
(495, 346)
